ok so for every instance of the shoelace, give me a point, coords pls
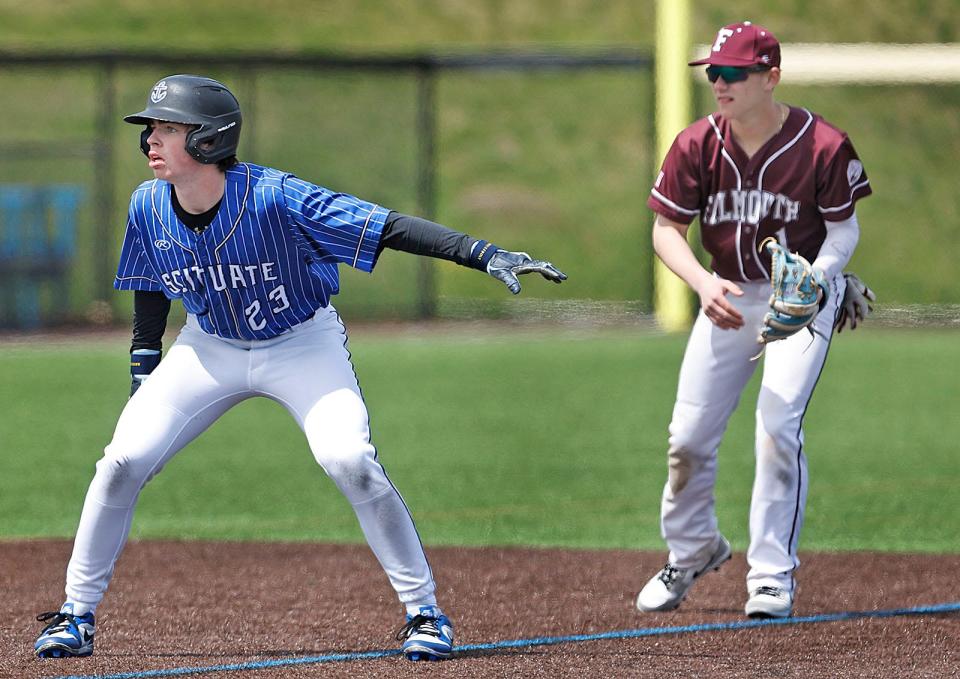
(60, 621)
(669, 574)
(770, 591)
(419, 624)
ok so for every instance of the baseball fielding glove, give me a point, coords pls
(799, 292)
(856, 303)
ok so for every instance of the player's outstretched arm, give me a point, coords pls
(505, 266)
(422, 237)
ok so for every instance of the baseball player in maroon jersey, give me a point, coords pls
(756, 168)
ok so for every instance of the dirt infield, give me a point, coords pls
(182, 605)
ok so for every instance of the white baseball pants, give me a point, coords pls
(716, 368)
(308, 371)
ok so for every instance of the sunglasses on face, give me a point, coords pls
(733, 74)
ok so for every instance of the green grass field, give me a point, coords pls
(525, 437)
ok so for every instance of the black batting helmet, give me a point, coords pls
(194, 100)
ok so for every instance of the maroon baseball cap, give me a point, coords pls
(743, 44)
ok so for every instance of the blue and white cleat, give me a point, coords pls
(66, 635)
(427, 635)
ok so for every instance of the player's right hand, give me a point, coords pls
(506, 266)
(142, 363)
(713, 300)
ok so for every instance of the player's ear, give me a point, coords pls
(773, 77)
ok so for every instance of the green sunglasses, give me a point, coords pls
(733, 74)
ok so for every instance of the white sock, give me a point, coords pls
(77, 608)
(414, 609)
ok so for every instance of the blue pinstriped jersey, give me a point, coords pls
(268, 260)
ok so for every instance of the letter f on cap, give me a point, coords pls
(722, 36)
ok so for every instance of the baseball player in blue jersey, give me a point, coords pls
(253, 254)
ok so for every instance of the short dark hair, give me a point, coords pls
(226, 163)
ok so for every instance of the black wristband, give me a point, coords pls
(142, 363)
(481, 252)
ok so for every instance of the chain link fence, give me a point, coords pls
(549, 153)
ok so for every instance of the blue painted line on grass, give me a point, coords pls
(537, 641)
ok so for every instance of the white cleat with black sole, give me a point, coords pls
(668, 588)
(769, 602)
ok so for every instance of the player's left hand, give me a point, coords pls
(856, 302)
(506, 266)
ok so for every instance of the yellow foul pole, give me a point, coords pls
(671, 297)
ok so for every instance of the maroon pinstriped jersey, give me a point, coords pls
(806, 174)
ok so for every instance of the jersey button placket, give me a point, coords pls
(206, 285)
(751, 231)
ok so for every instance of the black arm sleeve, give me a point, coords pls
(150, 310)
(423, 237)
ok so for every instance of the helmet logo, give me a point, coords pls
(159, 92)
